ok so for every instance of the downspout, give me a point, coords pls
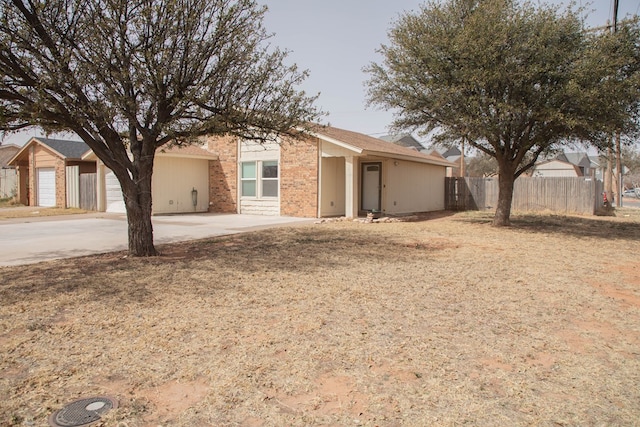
(319, 180)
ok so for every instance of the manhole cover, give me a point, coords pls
(82, 412)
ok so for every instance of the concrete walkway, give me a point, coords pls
(31, 240)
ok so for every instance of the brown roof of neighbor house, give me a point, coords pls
(186, 151)
(377, 146)
(191, 151)
(6, 153)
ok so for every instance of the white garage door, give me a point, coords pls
(115, 201)
(46, 187)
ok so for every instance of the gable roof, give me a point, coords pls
(364, 144)
(68, 149)
(578, 159)
(563, 165)
(451, 152)
(65, 149)
(404, 140)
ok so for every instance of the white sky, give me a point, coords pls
(335, 39)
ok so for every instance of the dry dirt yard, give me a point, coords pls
(440, 321)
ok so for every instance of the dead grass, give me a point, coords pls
(441, 321)
(11, 212)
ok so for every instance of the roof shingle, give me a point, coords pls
(369, 143)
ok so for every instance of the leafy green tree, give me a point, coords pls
(513, 79)
(131, 76)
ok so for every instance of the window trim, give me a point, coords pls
(259, 179)
(252, 179)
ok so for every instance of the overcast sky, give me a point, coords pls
(335, 39)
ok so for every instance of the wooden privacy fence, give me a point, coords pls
(81, 189)
(88, 191)
(564, 194)
(8, 183)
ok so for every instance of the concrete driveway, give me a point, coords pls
(31, 240)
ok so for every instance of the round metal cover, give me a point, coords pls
(82, 412)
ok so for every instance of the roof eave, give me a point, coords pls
(409, 158)
(24, 148)
(188, 156)
(338, 142)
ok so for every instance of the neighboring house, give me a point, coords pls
(569, 164)
(555, 168)
(581, 160)
(453, 155)
(404, 140)
(8, 174)
(597, 167)
(68, 174)
(180, 182)
(331, 172)
(45, 169)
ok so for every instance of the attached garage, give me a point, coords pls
(43, 166)
(46, 187)
(113, 193)
(180, 182)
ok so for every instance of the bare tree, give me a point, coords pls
(130, 76)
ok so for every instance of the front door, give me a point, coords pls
(371, 186)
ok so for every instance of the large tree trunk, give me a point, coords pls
(506, 180)
(140, 227)
(138, 202)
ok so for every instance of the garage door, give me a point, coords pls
(46, 187)
(115, 201)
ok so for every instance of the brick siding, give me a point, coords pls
(223, 187)
(61, 183)
(299, 178)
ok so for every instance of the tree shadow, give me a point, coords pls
(610, 227)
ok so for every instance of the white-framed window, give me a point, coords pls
(259, 179)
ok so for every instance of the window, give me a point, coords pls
(265, 184)
(270, 179)
(248, 179)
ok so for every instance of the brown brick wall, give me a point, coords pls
(61, 183)
(39, 157)
(32, 177)
(223, 188)
(299, 178)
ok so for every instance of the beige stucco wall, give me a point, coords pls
(410, 187)
(554, 168)
(173, 180)
(332, 191)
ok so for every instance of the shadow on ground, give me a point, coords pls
(622, 225)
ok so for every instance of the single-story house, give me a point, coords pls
(180, 182)
(8, 174)
(570, 164)
(556, 168)
(330, 172)
(46, 168)
(67, 174)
